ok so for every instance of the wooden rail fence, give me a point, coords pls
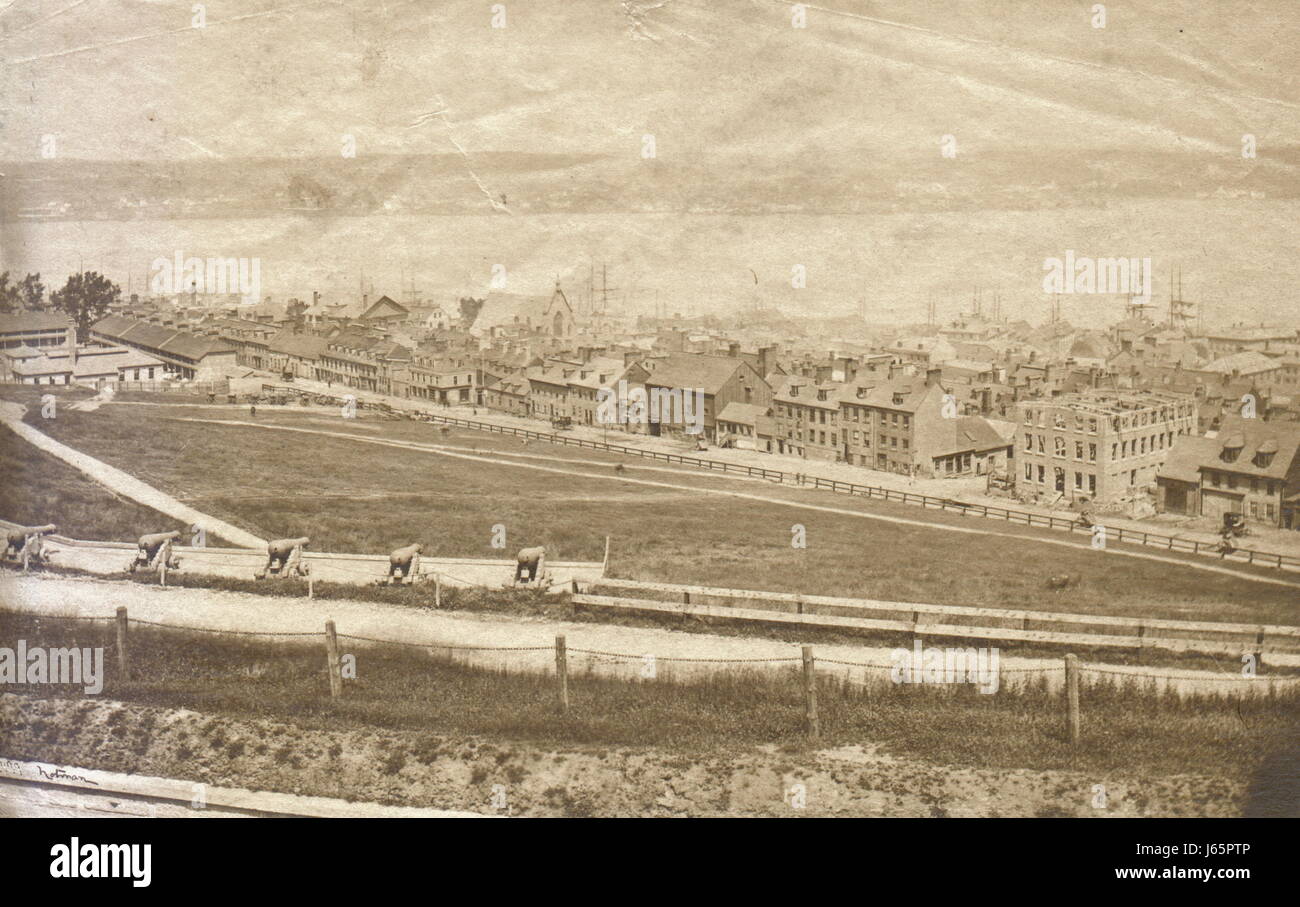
(1047, 521)
(1207, 637)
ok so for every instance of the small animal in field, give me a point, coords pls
(620, 469)
(1063, 580)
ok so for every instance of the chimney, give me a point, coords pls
(933, 376)
(733, 349)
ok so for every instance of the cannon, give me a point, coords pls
(26, 543)
(16, 538)
(404, 564)
(154, 550)
(530, 561)
(284, 558)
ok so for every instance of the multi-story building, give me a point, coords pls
(1262, 338)
(1249, 466)
(714, 380)
(450, 380)
(1099, 445)
(184, 355)
(34, 329)
(807, 418)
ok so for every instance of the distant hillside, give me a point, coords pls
(442, 184)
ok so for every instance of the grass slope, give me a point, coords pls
(351, 496)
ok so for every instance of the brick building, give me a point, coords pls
(1099, 445)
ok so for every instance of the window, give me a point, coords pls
(1078, 450)
(1029, 442)
(1042, 475)
(1092, 483)
(1029, 472)
(1078, 481)
(1092, 453)
(1059, 444)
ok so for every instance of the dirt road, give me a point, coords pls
(603, 649)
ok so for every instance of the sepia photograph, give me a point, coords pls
(633, 409)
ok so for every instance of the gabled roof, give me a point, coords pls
(304, 346)
(900, 394)
(692, 371)
(167, 340)
(742, 413)
(33, 321)
(944, 437)
(1247, 437)
(513, 309)
(383, 307)
(1247, 362)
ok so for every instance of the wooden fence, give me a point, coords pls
(946, 505)
(807, 662)
(952, 621)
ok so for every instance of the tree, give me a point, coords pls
(469, 309)
(28, 295)
(86, 298)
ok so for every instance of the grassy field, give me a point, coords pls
(1125, 730)
(39, 489)
(351, 496)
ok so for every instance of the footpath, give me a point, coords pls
(966, 489)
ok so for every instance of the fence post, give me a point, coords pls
(123, 663)
(1072, 697)
(810, 695)
(311, 586)
(437, 590)
(562, 673)
(332, 657)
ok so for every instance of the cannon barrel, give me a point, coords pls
(284, 546)
(404, 556)
(531, 555)
(157, 538)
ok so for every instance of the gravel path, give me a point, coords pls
(128, 486)
(587, 642)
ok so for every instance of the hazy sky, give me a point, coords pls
(1122, 140)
